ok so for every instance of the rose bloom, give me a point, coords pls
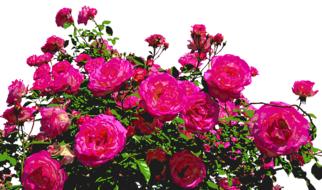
(189, 59)
(157, 40)
(187, 170)
(54, 121)
(35, 60)
(199, 29)
(18, 115)
(139, 74)
(223, 183)
(304, 89)
(190, 88)
(201, 114)
(93, 64)
(99, 140)
(108, 77)
(66, 78)
(42, 79)
(82, 58)
(16, 91)
(127, 102)
(162, 95)
(53, 44)
(41, 172)
(253, 71)
(218, 38)
(157, 161)
(227, 77)
(8, 129)
(64, 17)
(279, 130)
(147, 124)
(86, 14)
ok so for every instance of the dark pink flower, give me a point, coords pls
(108, 77)
(227, 77)
(35, 60)
(16, 91)
(54, 121)
(18, 115)
(128, 102)
(157, 161)
(162, 94)
(40, 171)
(280, 129)
(223, 183)
(8, 129)
(253, 71)
(53, 44)
(139, 74)
(190, 88)
(99, 140)
(199, 29)
(147, 124)
(42, 79)
(157, 40)
(189, 59)
(93, 64)
(64, 17)
(201, 113)
(82, 58)
(187, 171)
(86, 14)
(304, 89)
(218, 38)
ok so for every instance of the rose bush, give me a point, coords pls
(113, 120)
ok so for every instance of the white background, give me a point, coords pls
(281, 38)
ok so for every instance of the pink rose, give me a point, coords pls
(127, 102)
(64, 17)
(8, 129)
(86, 14)
(187, 170)
(35, 60)
(16, 91)
(82, 58)
(66, 78)
(304, 89)
(162, 94)
(279, 130)
(227, 77)
(108, 77)
(139, 74)
(93, 64)
(53, 44)
(54, 121)
(40, 171)
(253, 71)
(18, 115)
(201, 113)
(42, 79)
(189, 59)
(157, 40)
(99, 140)
(223, 183)
(199, 29)
(147, 124)
(190, 88)
(218, 38)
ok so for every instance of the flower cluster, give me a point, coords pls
(111, 120)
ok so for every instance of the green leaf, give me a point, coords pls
(106, 22)
(67, 25)
(316, 170)
(212, 185)
(144, 169)
(109, 30)
(6, 157)
(312, 115)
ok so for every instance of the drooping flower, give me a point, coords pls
(53, 44)
(227, 77)
(64, 17)
(279, 129)
(187, 170)
(86, 14)
(40, 171)
(54, 121)
(99, 140)
(108, 77)
(189, 59)
(157, 40)
(16, 91)
(35, 60)
(304, 89)
(201, 114)
(162, 94)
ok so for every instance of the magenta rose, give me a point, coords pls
(162, 94)
(108, 77)
(18, 115)
(54, 121)
(64, 17)
(35, 60)
(227, 77)
(218, 38)
(86, 14)
(16, 91)
(93, 64)
(42, 79)
(99, 140)
(66, 78)
(304, 89)
(190, 88)
(53, 44)
(279, 129)
(8, 129)
(41, 172)
(223, 183)
(187, 170)
(189, 59)
(157, 40)
(82, 58)
(201, 113)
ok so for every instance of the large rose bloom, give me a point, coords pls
(162, 94)
(54, 121)
(16, 91)
(108, 77)
(227, 77)
(99, 140)
(187, 170)
(280, 130)
(201, 114)
(41, 172)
